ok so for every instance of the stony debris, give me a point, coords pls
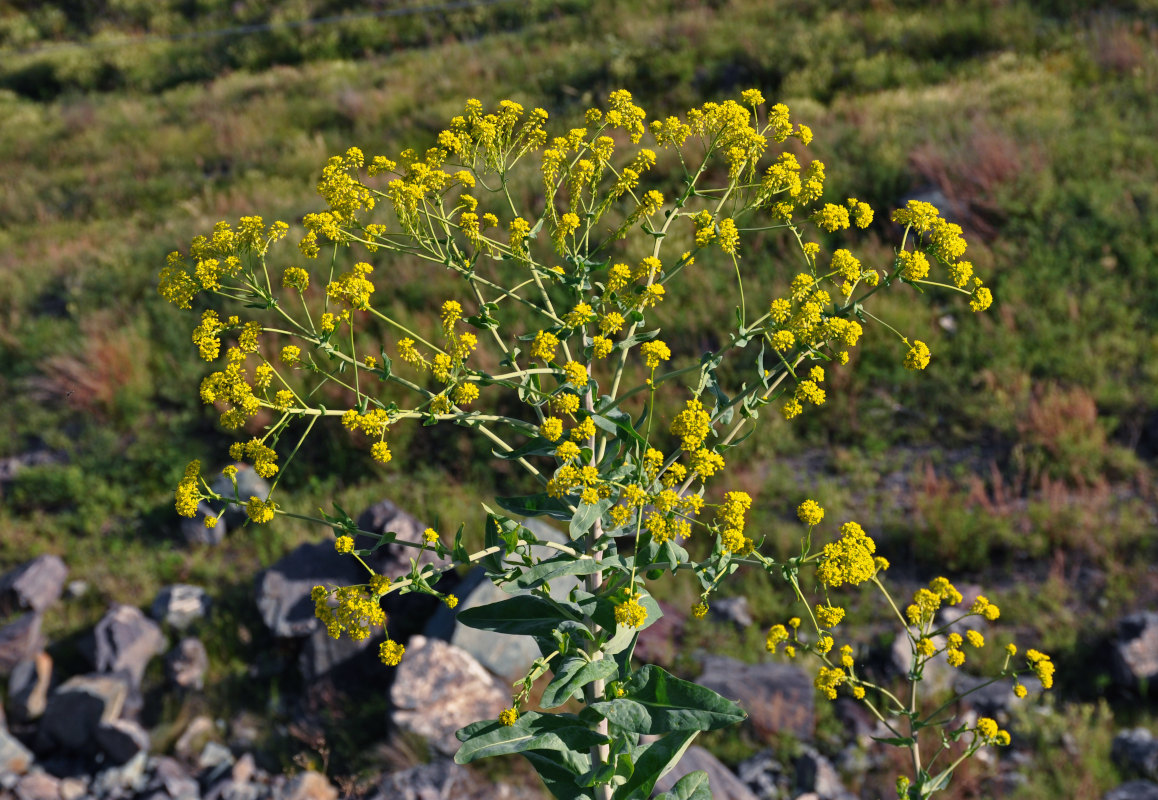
(1135, 649)
(732, 609)
(15, 758)
(937, 677)
(815, 774)
(438, 688)
(169, 779)
(778, 697)
(193, 739)
(309, 785)
(37, 785)
(33, 586)
(28, 687)
(1133, 790)
(20, 640)
(658, 643)
(180, 605)
(186, 664)
(997, 699)
(124, 641)
(121, 739)
(283, 590)
(725, 785)
(78, 707)
(122, 781)
(1135, 752)
(438, 779)
(194, 531)
(765, 776)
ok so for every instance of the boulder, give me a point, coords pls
(658, 643)
(15, 758)
(194, 531)
(124, 641)
(38, 785)
(1135, 752)
(309, 785)
(1135, 649)
(343, 661)
(249, 484)
(732, 609)
(816, 774)
(121, 739)
(1133, 790)
(283, 590)
(78, 707)
(439, 688)
(180, 605)
(724, 784)
(995, 699)
(73, 787)
(28, 687)
(122, 781)
(33, 586)
(20, 640)
(765, 776)
(169, 778)
(778, 697)
(438, 779)
(185, 665)
(937, 676)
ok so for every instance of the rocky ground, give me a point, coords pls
(75, 734)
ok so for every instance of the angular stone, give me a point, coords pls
(765, 776)
(38, 785)
(816, 774)
(1136, 753)
(78, 707)
(20, 640)
(195, 532)
(438, 779)
(724, 784)
(15, 758)
(1136, 649)
(249, 484)
(121, 739)
(185, 665)
(171, 779)
(180, 605)
(283, 590)
(342, 660)
(732, 609)
(124, 780)
(194, 738)
(124, 641)
(1133, 790)
(73, 788)
(309, 785)
(995, 699)
(439, 688)
(777, 697)
(28, 687)
(33, 586)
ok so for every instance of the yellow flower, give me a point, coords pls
(776, 635)
(654, 352)
(918, 356)
(631, 613)
(551, 429)
(430, 536)
(290, 354)
(509, 717)
(344, 544)
(544, 346)
(576, 373)
(829, 616)
(390, 652)
(259, 511)
(380, 452)
(450, 600)
(601, 347)
(975, 638)
(827, 680)
(700, 610)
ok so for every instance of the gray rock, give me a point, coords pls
(194, 738)
(170, 779)
(1136, 753)
(816, 774)
(187, 663)
(342, 659)
(765, 776)
(937, 676)
(75, 589)
(732, 609)
(28, 687)
(124, 641)
(38, 785)
(194, 530)
(308, 785)
(73, 788)
(724, 784)
(33, 586)
(78, 707)
(778, 697)
(15, 758)
(249, 484)
(180, 605)
(997, 699)
(20, 640)
(439, 688)
(438, 779)
(283, 590)
(1133, 790)
(659, 642)
(121, 739)
(215, 761)
(1135, 649)
(121, 781)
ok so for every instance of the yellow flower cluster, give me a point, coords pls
(256, 452)
(654, 352)
(849, 559)
(692, 425)
(631, 613)
(355, 610)
(187, 494)
(260, 511)
(353, 287)
(390, 653)
(810, 513)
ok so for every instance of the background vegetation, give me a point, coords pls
(1021, 460)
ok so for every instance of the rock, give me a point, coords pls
(732, 609)
(283, 590)
(73, 788)
(215, 761)
(180, 605)
(15, 758)
(437, 779)
(778, 697)
(765, 776)
(20, 640)
(33, 586)
(193, 739)
(194, 530)
(724, 784)
(997, 699)
(309, 785)
(78, 707)
(341, 660)
(38, 785)
(124, 641)
(249, 484)
(439, 688)
(855, 718)
(28, 687)
(121, 781)
(244, 769)
(169, 777)
(246, 730)
(1134, 790)
(658, 643)
(1136, 753)
(1135, 649)
(121, 739)
(186, 664)
(816, 774)
(504, 655)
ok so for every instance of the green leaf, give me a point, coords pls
(535, 505)
(617, 422)
(524, 614)
(538, 446)
(459, 550)
(898, 741)
(560, 775)
(586, 515)
(652, 762)
(558, 566)
(693, 786)
(658, 702)
(572, 675)
(532, 731)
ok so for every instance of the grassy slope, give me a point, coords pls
(1036, 121)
